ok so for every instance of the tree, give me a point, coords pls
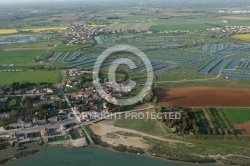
(26, 101)
(184, 123)
(158, 108)
(155, 101)
(148, 97)
(62, 104)
(196, 129)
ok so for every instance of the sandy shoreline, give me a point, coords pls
(33, 146)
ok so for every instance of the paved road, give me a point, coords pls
(71, 109)
(37, 128)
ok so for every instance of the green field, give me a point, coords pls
(194, 23)
(130, 26)
(180, 75)
(68, 48)
(179, 27)
(21, 59)
(220, 82)
(149, 126)
(30, 76)
(237, 115)
(130, 18)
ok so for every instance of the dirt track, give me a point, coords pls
(204, 97)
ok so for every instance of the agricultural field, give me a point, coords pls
(30, 76)
(134, 18)
(245, 37)
(212, 82)
(177, 14)
(32, 46)
(130, 26)
(18, 59)
(68, 48)
(64, 17)
(180, 75)
(19, 39)
(223, 121)
(204, 97)
(171, 27)
(149, 126)
(86, 62)
(235, 17)
(192, 24)
(125, 17)
(97, 25)
(41, 29)
(188, 66)
(229, 62)
(213, 48)
(213, 121)
(7, 31)
(178, 24)
(169, 39)
(218, 121)
(237, 115)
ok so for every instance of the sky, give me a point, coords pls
(53, 1)
(34, 1)
(38, 1)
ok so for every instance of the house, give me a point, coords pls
(48, 90)
(105, 111)
(85, 94)
(30, 92)
(52, 120)
(26, 125)
(13, 125)
(55, 98)
(3, 99)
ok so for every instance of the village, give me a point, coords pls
(82, 33)
(54, 114)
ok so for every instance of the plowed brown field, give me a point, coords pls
(204, 97)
